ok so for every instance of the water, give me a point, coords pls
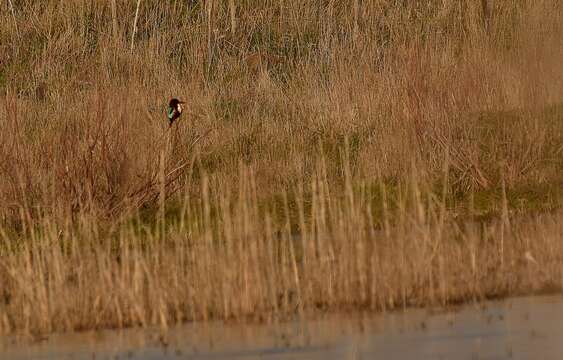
(518, 328)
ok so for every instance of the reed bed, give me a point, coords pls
(333, 156)
(222, 258)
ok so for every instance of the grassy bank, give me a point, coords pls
(367, 155)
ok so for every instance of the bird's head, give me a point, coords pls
(175, 104)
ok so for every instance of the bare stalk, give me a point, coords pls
(486, 12)
(232, 8)
(209, 10)
(14, 16)
(114, 19)
(356, 14)
(135, 24)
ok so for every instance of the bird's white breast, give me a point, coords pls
(179, 109)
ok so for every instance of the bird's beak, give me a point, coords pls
(181, 102)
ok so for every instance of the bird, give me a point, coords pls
(174, 110)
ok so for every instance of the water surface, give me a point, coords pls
(518, 328)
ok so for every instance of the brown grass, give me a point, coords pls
(370, 156)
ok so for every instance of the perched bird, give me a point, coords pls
(174, 110)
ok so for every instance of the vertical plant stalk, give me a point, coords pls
(209, 14)
(233, 11)
(281, 13)
(14, 17)
(135, 25)
(486, 13)
(330, 18)
(114, 20)
(161, 191)
(356, 10)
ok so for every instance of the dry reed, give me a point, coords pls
(376, 155)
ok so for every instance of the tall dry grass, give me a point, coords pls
(222, 258)
(332, 155)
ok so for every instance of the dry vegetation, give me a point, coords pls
(336, 155)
